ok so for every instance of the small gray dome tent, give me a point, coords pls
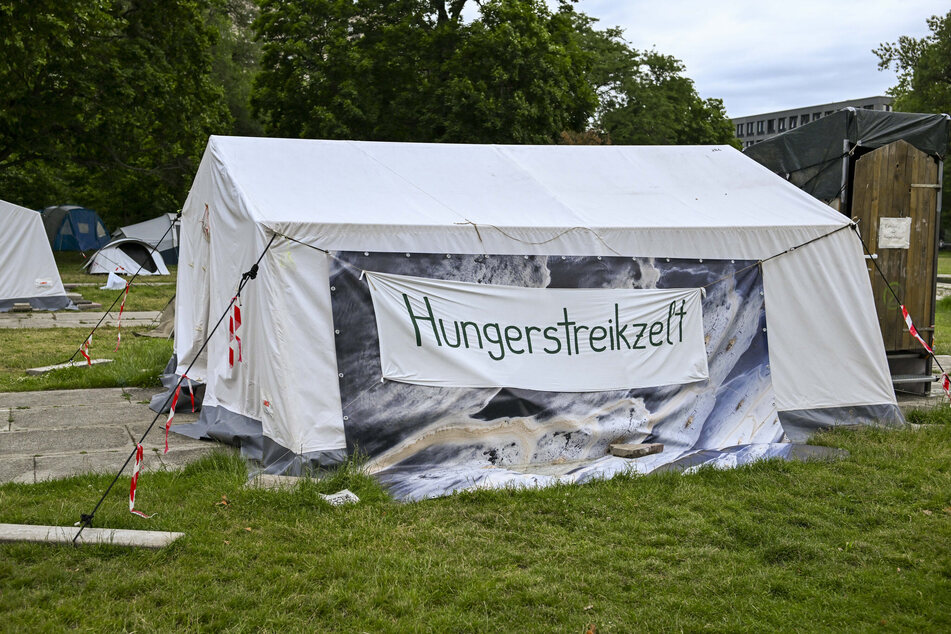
(127, 256)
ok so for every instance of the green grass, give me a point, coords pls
(139, 361)
(942, 325)
(859, 544)
(140, 297)
(944, 262)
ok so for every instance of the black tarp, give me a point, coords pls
(811, 156)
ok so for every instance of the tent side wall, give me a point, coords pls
(819, 304)
(29, 269)
(283, 381)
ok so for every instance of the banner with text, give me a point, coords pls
(460, 334)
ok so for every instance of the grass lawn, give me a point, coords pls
(139, 361)
(859, 544)
(942, 325)
(944, 262)
(140, 297)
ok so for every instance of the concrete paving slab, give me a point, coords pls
(76, 319)
(181, 456)
(42, 442)
(75, 416)
(138, 427)
(142, 394)
(16, 469)
(70, 464)
(99, 536)
(63, 398)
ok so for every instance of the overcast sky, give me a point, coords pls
(761, 55)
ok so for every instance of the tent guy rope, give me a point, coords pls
(717, 281)
(944, 378)
(252, 273)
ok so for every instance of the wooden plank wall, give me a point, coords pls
(883, 188)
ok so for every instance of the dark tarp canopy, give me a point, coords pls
(811, 156)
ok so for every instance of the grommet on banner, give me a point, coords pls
(362, 274)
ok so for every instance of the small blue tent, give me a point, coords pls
(71, 228)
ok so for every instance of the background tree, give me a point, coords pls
(414, 70)
(107, 103)
(644, 97)
(924, 81)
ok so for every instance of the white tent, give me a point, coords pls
(161, 231)
(29, 270)
(127, 256)
(308, 386)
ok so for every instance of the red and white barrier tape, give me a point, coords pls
(119, 321)
(234, 323)
(84, 349)
(946, 384)
(171, 409)
(139, 453)
(913, 330)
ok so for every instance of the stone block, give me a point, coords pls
(637, 450)
(98, 536)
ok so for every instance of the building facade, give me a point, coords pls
(755, 128)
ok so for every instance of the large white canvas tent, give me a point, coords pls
(792, 342)
(161, 231)
(127, 256)
(29, 270)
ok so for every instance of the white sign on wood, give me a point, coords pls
(894, 233)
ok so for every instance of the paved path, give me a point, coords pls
(76, 319)
(59, 433)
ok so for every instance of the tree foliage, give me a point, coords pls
(924, 80)
(923, 66)
(415, 70)
(644, 97)
(107, 103)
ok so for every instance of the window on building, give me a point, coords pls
(759, 127)
(782, 124)
(804, 119)
(739, 129)
(827, 113)
(749, 129)
(792, 122)
(887, 108)
(771, 126)
(816, 116)
(868, 107)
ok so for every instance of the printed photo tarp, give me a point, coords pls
(425, 441)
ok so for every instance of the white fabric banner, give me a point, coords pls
(460, 334)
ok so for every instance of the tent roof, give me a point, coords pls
(355, 194)
(151, 231)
